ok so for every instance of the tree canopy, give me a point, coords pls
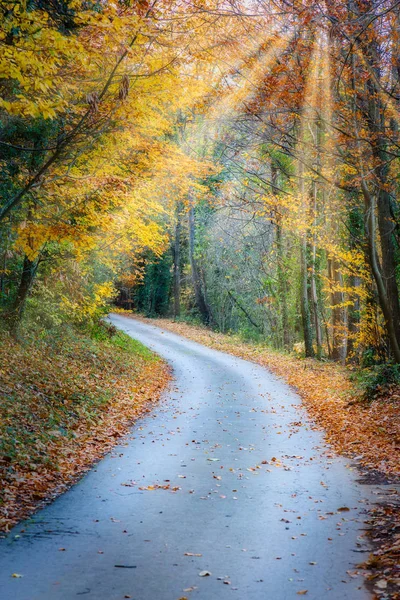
(236, 162)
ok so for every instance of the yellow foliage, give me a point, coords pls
(89, 305)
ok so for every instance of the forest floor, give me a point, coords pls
(65, 401)
(367, 432)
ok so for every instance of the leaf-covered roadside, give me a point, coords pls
(64, 402)
(384, 562)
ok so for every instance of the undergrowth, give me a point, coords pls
(376, 381)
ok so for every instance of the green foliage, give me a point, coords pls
(248, 333)
(152, 295)
(17, 133)
(190, 319)
(279, 159)
(377, 381)
(102, 331)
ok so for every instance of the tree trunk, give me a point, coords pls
(201, 303)
(314, 291)
(386, 231)
(353, 321)
(314, 296)
(3, 272)
(244, 311)
(338, 311)
(282, 279)
(177, 264)
(28, 274)
(305, 307)
(283, 289)
(386, 225)
(384, 271)
(370, 229)
(356, 231)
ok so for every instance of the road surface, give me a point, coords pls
(255, 504)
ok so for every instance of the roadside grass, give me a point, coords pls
(110, 335)
(65, 398)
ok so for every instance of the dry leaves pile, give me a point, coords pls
(62, 407)
(384, 562)
(369, 431)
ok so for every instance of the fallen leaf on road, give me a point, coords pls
(16, 575)
(157, 486)
(381, 584)
(302, 592)
(205, 574)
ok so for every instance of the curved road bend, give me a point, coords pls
(264, 531)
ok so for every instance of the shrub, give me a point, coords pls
(378, 380)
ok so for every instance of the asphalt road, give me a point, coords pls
(256, 501)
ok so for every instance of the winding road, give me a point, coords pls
(262, 508)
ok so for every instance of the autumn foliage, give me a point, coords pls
(141, 130)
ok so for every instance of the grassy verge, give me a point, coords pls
(64, 401)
